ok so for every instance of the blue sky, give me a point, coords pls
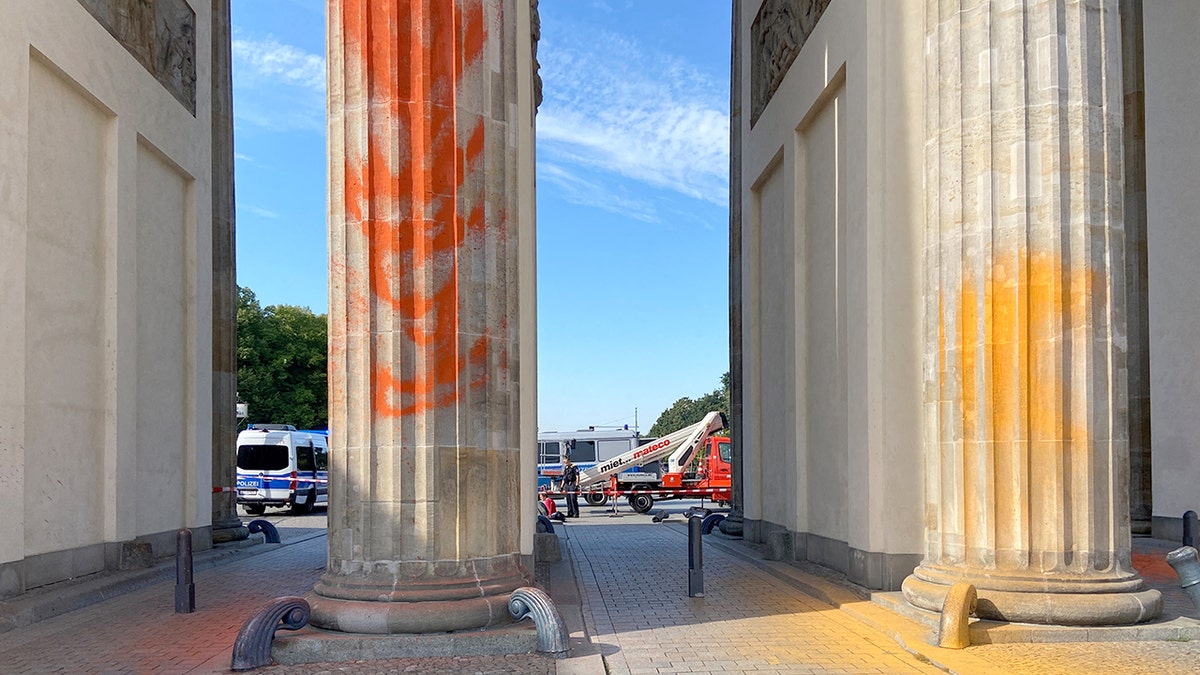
(632, 193)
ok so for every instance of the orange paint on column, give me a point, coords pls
(415, 57)
(1023, 386)
(968, 343)
(1031, 304)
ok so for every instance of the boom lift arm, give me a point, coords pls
(680, 445)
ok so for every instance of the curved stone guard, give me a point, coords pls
(551, 631)
(954, 630)
(252, 649)
(1187, 565)
(267, 528)
(710, 521)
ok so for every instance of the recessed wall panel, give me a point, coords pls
(825, 324)
(162, 373)
(777, 321)
(65, 392)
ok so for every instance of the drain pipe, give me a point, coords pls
(1187, 566)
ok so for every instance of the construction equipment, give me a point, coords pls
(689, 463)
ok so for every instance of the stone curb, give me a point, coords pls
(586, 657)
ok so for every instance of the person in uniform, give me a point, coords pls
(571, 487)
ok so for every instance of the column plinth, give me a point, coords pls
(416, 597)
(1083, 599)
(1026, 388)
(424, 492)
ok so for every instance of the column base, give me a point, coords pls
(731, 526)
(314, 645)
(229, 529)
(418, 596)
(1077, 601)
(387, 618)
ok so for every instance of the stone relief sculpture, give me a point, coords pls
(535, 29)
(175, 47)
(160, 35)
(779, 32)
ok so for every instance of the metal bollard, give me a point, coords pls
(1189, 528)
(1187, 566)
(185, 590)
(695, 557)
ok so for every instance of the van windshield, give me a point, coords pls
(262, 457)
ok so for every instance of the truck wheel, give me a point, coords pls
(255, 509)
(307, 506)
(642, 503)
(596, 498)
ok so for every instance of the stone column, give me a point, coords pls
(225, 523)
(733, 524)
(1027, 458)
(1137, 278)
(423, 324)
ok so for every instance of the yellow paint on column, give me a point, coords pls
(1012, 394)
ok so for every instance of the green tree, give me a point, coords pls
(282, 363)
(687, 411)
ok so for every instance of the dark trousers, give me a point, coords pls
(572, 502)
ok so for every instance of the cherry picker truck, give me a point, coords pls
(662, 469)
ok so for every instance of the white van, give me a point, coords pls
(279, 466)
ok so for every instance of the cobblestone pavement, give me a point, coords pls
(634, 578)
(632, 600)
(140, 633)
(1077, 658)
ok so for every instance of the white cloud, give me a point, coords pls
(259, 211)
(277, 86)
(272, 59)
(576, 190)
(613, 105)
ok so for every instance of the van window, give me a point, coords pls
(322, 459)
(262, 457)
(607, 449)
(584, 451)
(549, 452)
(304, 458)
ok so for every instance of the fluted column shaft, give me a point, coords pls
(1027, 456)
(424, 509)
(225, 523)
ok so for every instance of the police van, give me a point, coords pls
(280, 466)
